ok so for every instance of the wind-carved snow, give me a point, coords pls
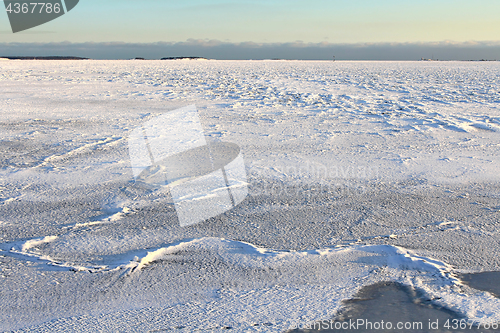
(330, 268)
(246, 275)
(358, 172)
(35, 242)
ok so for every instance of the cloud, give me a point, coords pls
(215, 49)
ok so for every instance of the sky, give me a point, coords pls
(275, 27)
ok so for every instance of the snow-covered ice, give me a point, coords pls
(357, 172)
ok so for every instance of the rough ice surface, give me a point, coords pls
(357, 172)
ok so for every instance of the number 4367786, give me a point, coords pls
(34, 8)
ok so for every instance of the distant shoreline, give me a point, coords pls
(202, 58)
(44, 58)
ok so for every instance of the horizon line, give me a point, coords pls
(213, 49)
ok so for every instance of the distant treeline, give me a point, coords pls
(80, 58)
(180, 58)
(45, 58)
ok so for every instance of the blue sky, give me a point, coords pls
(268, 21)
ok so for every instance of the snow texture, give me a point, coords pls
(357, 172)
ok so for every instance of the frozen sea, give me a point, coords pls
(355, 174)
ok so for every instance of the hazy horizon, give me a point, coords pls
(253, 51)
